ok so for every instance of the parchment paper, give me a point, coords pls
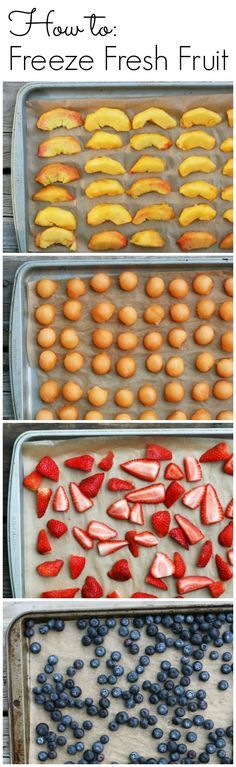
(124, 448)
(112, 381)
(170, 230)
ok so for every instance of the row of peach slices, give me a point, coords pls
(119, 121)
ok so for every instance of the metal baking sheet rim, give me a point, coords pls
(16, 313)
(18, 177)
(14, 516)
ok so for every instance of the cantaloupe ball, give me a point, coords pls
(123, 417)
(147, 395)
(45, 314)
(46, 337)
(126, 367)
(226, 310)
(49, 391)
(204, 361)
(71, 391)
(148, 415)
(69, 338)
(128, 281)
(127, 341)
(174, 392)
(227, 341)
(102, 338)
(100, 282)
(176, 337)
(68, 413)
(47, 360)
(127, 315)
(46, 288)
(205, 308)
(224, 367)
(175, 367)
(75, 287)
(201, 391)
(44, 415)
(223, 390)
(177, 415)
(154, 314)
(73, 361)
(225, 415)
(154, 363)
(204, 335)
(103, 311)
(72, 309)
(97, 396)
(154, 287)
(93, 415)
(201, 415)
(179, 312)
(153, 340)
(229, 286)
(124, 397)
(101, 363)
(178, 288)
(202, 284)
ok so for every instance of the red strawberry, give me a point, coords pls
(173, 471)
(120, 571)
(225, 537)
(91, 589)
(205, 554)
(133, 546)
(43, 544)
(211, 509)
(56, 527)
(178, 535)
(173, 492)
(108, 547)
(114, 595)
(228, 467)
(142, 468)
(230, 555)
(32, 481)
(193, 498)
(161, 522)
(91, 485)
(76, 565)
(119, 484)
(47, 467)
(191, 531)
(81, 502)
(43, 498)
(119, 509)
(180, 566)
(60, 500)
(157, 452)
(162, 566)
(216, 588)
(217, 453)
(193, 469)
(136, 514)
(80, 462)
(193, 583)
(223, 569)
(146, 539)
(82, 537)
(229, 509)
(59, 594)
(100, 532)
(142, 595)
(107, 462)
(157, 582)
(50, 569)
(148, 494)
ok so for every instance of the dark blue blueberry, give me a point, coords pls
(116, 692)
(191, 737)
(59, 624)
(35, 648)
(42, 756)
(208, 724)
(111, 622)
(29, 632)
(94, 663)
(132, 676)
(48, 668)
(40, 740)
(122, 717)
(78, 663)
(113, 726)
(227, 656)
(87, 724)
(162, 709)
(42, 728)
(97, 747)
(118, 670)
(227, 637)
(81, 623)
(214, 655)
(198, 720)
(86, 641)
(102, 679)
(134, 757)
(226, 668)
(175, 735)
(204, 676)
(186, 723)
(210, 748)
(78, 732)
(157, 733)
(100, 652)
(61, 740)
(223, 685)
(71, 750)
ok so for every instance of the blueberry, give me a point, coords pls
(191, 736)
(100, 651)
(42, 728)
(227, 637)
(116, 692)
(59, 624)
(208, 724)
(111, 622)
(78, 663)
(133, 721)
(113, 726)
(97, 748)
(157, 733)
(71, 750)
(35, 648)
(87, 725)
(42, 756)
(61, 740)
(214, 655)
(226, 668)
(162, 709)
(223, 685)
(102, 679)
(122, 717)
(132, 676)
(94, 663)
(134, 757)
(198, 720)
(204, 676)
(175, 735)
(29, 632)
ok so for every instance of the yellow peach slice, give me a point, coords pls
(108, 212)
(200, 116)
(53, 193)
(103, 140)
(53, 216)
(227, 145)
(229, 215)
(196, 163)
(154, 115)
(56, 236)
(59, 145)
(199, 189)
(59, 118)
(227, 193)
(106, 186)
(230, 117)
(57, 171)
(145, 140)
(145, 185)
(104, 165)
(228, 169)
(147, 238)
(109, 117)
(196, 240)
(162, 212)
(111, 240)
(227, 242)
(197, 139)
(148, 164)
(201, 212)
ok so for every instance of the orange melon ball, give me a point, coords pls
(47, 360)
(127, 315)
(179, 312)
(71, 391)
(49, 391)
(46, 337)
(123, 417)
(205, 308)
(68, 413)
(73, 361)
(75, 287)
(127, 341)
(204, 335)
(46, 288)
(128, 281)
(45, 314)
(227, 341)
(178, 288)
(147, 395)
(154, 314)
(72, 309)
(124, 397)
(103, 311)
(100, 282)
(204, 362)
(202, 284)
(225, 367)
(201, 415)
(69, 338)
(101, 364)
(102, 338)
(174, 392)
(226, 311)
(175, 366)
(126, 367)
(148, 415)
(44, 415)
(229, 286)
(177, 415)
(97, 396)
(154, 363)
(176, 337)
(153, 341)
(225, 415)
(201, 391)
(154, 287)
(223, 390)
(93, 415)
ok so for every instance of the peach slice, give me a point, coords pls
(108, 212)
(145, 185)
(53, 193)
(228, 169)
(196, 139)
(103, 140)
(147, 238)
(109, 117)
(196, 163)
(227, 242)
(56, 236)
(196, 240)
(111, 240)
(145, 140)
(201, 212)
(59, 145)
(200, 116)
(57, 171)
(199, 189)
(154, 115)
(227, 193)
(230, 117)
(53, 216)
(229, 215)
(106, 186)
(148, 164)
(104, 165)
(227, 145)
(59, 118)
(162, 212)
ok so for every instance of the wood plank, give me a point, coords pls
(6, 154)
(10, 90)
(7, 203)
(9, 237)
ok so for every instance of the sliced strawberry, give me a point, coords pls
(191, 531)
(100, 532)
(47, 467)
(193, 498)
(80, 501)
(80, 462)
(107, 462)
(223, 568)
(120, 571)
(157, 452)
(43, 544)
(230, 555)
(133, 546)
(193, 583)
(114, 595)
(76, 565)
(146, 539)
(82, 537)
(115, 484)
(225, 537)
(157, 582)
(173, 492)
(142, 595)
(178, 535)
(173, 471)
(180, 566)
(217, 453)
(108, 547)
(136, 514)
(59, 594)
(32, 481)
(119, 509)
(50, 569)
(142, 468)
(229, 509)
(228, 467)
(91, 589)
(91, 485)
(216, 588)
(211, 509)
(43, 498)
(162, 566)
(56, 527)
(205, 554)
(193, 469)
(60, 500)
(148, 494)
(161, 522)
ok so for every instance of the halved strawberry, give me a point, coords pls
(107, 462)
(157, 452)
(82, 537)
(211, 509)
(216, 588)
(217, 453)
(161, 522)
(193, 533)
(162, 566)
(136, 514)
(230, 555)
(50, 569)
(193, 583)
(193, 498)
(91, 485)
(43, 544)
(173, 471)
(59, 594)
(228, 467)
(142, 468)
(142, 595)
(133, 546)
(148, 494)
(56, 527)
(146, 539)
(173, 492)
(119, 510)
(229, 509)
(80, 501)
(43, 498)
(193, 469)
(180, 566)
(32, 481)
(223, 568)
(225, 537)
(60, 500)
(100, 532)
(178, 535)
(108, 547)
(91, 589)
(47, 467)
(205, 554)
(115, 484)
(76, 565)
(114, 595)
(120, 571)
(80, 462)
(157, 582)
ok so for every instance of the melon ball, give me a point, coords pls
(127, 315)
(147, 395)
(201, 391)
(226, 311)
(127, 341)
(225, 415)
(201, 415)
(178, 288)
(154, 287)
(123, 417)
(204, 335)
(176, 337)
(47, 360)
(100, 282)
(46, 337)
(45, 314)
(72, 309)
(154, 363)
(229, 286)
(153, 340)
(148, 415)
(154, 314)
(44, 415)
(175, 366)
(202, 284)
(177, 415)
(46, 288)
(227, 341)
(223, 390)
(205, 308)
(124, 397)
(97, 396)
(204, 362)
(93, 415)
(174, 392)
(49, 391)
(69, 338)
(75, 287)
(68, 413)
(73, 361)
(224, 367)
(103, 311)
(102, 338)
(71, 391)
(128, 280)
(101, 363)
(126, 367)
(179, 312)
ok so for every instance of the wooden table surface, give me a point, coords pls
(10, 266)
(10, 91)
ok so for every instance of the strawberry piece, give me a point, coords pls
(59, 594)
(107, 462)
(217, 453)
(216, 588)
(82, 537)
(136, 514)
(115, 484)
(80, 501)
(157, 452)
(119, 510)
(47, 467)
(229, 509)
(178, 535)
(80, 462)
(43, 544)
(56, 527)
(91, 589)
(205, 554)
(230, 555)
(50, 569)
(193, 469)
(173, 492)
(211, 509)
(108, 547)
(157, 582)
(146, 539)
(191, 531)
(60, 500)
(223, 568)
(43, 498)
(225, 537)
(193, 583)
(114, 595)
(173, 471)
(120, 571)
(142, 468)
(100, 532)
(133, 546)
(161, 522)
(91, 485)
(193, 498)
(148, 494)
(76, 565)
(32, 481)
(142, 595)
(228, 467)
(162, 566)
(180, 566)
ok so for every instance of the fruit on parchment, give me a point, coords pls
(108, 240)
(148, 164)
(56, 236)
(53, 216)
(57, 171)
(145, 185)
(227, 242)
(229, 215)
(201, 212)
(227, 193)
(53, 193)
(147, 238)
(52, 147)
(196, 240)
(228, 169)
(197, 139)
(104, 165)
(199, 189)
(107, 186)
(200, 116)
(196, 163)
(162, 212)
(108, 212)
(227, 144)
(104, 140)
(107, 117)
(59, 118)
(154, 115)
(145, 140)
(230, 117)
